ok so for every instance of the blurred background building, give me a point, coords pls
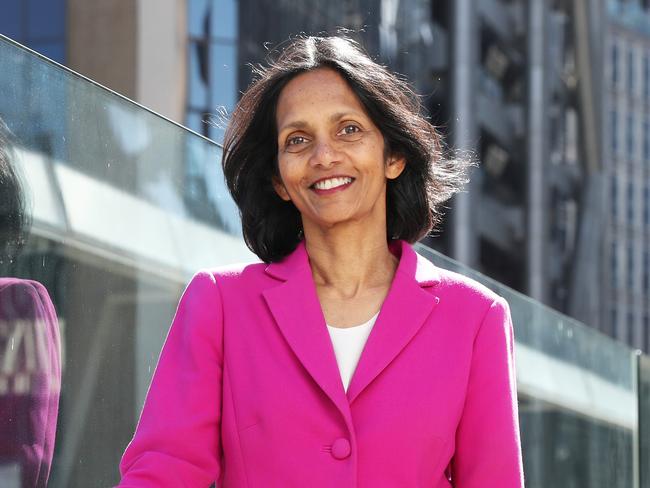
(626, 218)
(551, 97)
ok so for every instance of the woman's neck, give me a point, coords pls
(351, 266)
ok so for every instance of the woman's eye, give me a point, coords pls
(350, 129)
(292, 141)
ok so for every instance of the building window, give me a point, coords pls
(630, 136)
(614, 265)
(613, 195)
(630, 203)
(646, 140)
(630, 72)
(646, 272)
(646, 206)
(38, 24)
(630, 268)
(614, 130)
(630, 328)
(614, 61)
(212, 53)
(646, 77)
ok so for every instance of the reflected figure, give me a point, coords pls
(30, 350)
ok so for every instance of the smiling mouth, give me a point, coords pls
(345, 183)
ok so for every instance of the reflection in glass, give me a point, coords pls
(126, 206)
(577, 395)
(30, 349)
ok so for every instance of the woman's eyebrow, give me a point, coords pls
(301, 124)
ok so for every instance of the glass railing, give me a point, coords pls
(122, 206)
(578, 395)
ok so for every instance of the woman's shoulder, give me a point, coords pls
(465, 289)
(244, 272)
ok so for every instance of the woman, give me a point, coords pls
(344, 359)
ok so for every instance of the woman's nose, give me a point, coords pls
(324, 154)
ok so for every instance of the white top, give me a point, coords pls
(348, 345)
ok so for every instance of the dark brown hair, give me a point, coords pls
(14, 218)
(271, 226)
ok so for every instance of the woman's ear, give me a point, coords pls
(394, 166)
(280, 189)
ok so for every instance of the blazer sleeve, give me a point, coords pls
(177, 439)
(488, 446)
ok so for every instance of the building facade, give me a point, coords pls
(626, 295)
(500, 79)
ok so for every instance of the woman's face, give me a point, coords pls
(325, 136)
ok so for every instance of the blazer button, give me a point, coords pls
(341, 448)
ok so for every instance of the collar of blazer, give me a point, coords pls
(411, 263)
(297, 311)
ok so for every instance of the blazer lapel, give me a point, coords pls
(299, 315)
(297, 311)
(404, 311)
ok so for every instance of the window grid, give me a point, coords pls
(614, 265)
(630, 328)
(630, 203)
(646, 140)
(630, 71)
(646, 206)
(646, 272)
(614, 196)
(646, 77)
(630, 136)
(630, 268)
(213, 65)
(614, 66)
(614, 131)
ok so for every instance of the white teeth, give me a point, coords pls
(332, 183)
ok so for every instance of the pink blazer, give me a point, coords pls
(247, 391)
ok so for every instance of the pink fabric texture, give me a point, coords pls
(30, 379)
(247, 391)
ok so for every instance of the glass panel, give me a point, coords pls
(644, 427)
(194, 121)
(121, 207)
(577, 395)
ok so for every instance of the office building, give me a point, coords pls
(626, 236)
